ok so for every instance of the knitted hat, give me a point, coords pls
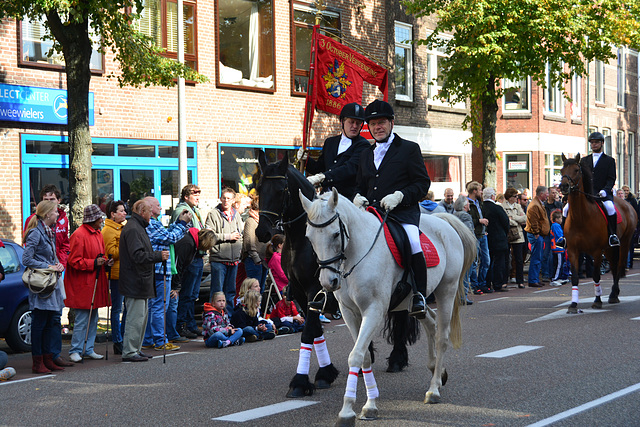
(91, 214)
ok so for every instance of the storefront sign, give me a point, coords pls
(517, 166)
(36, 105)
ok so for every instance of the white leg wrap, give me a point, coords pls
(574, 294)
(322, 353)
(352, 383)
(304, 359)
(370, 383)
(598, 289)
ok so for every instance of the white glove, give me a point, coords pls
(360, 201)
(602, 193)
(390, 201)
(316, 179)
(301, 154)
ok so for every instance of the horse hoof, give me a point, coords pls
(298, 392)
(394, 367)
(572, 310)
(597, 305)
(322, 384)
(431, 397)
(346, 422)
(368, 414)
(444, 377)
(614, 300)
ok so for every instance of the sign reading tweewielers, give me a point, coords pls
(36, 105)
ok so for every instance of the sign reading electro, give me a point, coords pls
(36, 105)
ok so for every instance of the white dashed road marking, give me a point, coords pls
(491, 300)
(252, 414)
(25, 379)
(561, 314)
(511, 351)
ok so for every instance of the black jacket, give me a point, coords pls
(603, 175)
(339, 169)
(401, 169)
(498, 227)
(185, 251)
(478, 228)
(137, 259)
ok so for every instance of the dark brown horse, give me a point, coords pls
(585, 230)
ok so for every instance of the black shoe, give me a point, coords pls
(486, 290)
(477, 292)
(535, 285)
(117, 348)
(418, 306)
(614, 241)
(184, 332)
(145, 355)
(135, 358)
(197, 331)
(319, 304)
(284, 330)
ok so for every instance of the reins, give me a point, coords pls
(279, 223)
(574, 187)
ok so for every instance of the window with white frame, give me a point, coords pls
(517, 95)
(607, 141)
(599, 81)
(576, 96)
(553, 98)
(403, 61)
(631, 144)
(622, 78)
(435, 76)
(552, 168)
(620, 151)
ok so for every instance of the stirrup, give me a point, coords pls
(418, 306)
(319, 301)
(614, 241)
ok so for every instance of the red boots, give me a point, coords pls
(47, 360)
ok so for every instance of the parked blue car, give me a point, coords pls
(15, 316)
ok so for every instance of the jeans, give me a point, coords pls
(536, 258)
(547, 259)
(223, 279)
(256, 271)
(189, 294)
(154, 333)
(116, 310)
(80, 326)
(216, 340)
(483, 254)
(42, 329)
(172, 317)
(56, 338)
(250, 330)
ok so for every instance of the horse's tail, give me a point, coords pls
(469, 245)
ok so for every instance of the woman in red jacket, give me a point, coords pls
(86, 263)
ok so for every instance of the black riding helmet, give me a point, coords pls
(596, 136)
(352, 110)
(378, 109)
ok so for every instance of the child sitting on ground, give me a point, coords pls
(246, 318)
(274, 261)
(216, 329)
(286, 317)
(247, 284)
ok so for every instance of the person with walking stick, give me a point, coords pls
(86, 283)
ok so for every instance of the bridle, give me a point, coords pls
(279, 222)
(573, 187)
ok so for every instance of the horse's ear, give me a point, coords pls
(284, 165)
(564, 158)
(262, 160)
(306, 203)
(333, 200)
(578, 157)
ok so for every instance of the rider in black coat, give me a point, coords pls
(392, 175)
(338, 164)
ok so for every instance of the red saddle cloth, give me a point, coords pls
(428, 249)
(618, 216)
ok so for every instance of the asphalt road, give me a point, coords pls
(579, 370)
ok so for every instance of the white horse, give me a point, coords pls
(342, 236)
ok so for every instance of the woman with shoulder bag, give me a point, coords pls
(517, 218)
(40, 253)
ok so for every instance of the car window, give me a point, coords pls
(9, 259)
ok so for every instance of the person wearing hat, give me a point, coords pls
(338, 164)
(86, 282)
(393, 176)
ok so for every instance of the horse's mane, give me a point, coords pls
(587, 177)
(318, 203)
(301, 181)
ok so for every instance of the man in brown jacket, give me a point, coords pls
(537, 227)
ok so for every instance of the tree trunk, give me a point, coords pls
(489, 119)
(76, 47)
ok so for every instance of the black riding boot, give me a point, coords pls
(612, 221)
(419, 267)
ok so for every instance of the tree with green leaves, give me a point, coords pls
(70, 24)
(515, 39)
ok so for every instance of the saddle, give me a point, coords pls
(604, 214)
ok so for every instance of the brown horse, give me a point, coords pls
(585, 230)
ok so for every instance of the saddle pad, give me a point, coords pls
(428, 249)
(618, 216)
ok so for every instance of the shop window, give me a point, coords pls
(35, 49)
(171, 152)
(246, 44)
(552, 168)
(136, 150)
(599, 81)
(517, 171)
(444, 171)
(304, 18)
(159, 20)
(517, 95)
(404, 61)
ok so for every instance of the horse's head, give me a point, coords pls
(274, 193)
(571, 174)
(328, 236)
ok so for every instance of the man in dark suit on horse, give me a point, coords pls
(392, 175)
(338, 164)
(603, 172)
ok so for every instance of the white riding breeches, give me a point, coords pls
(608, 205)
(413, 233)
